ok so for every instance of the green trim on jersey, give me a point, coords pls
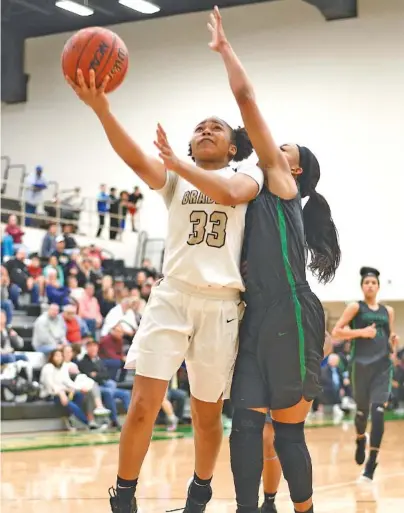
(292, 284)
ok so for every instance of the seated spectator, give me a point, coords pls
(94, 252)
(76, 292)
(177, 397)
(86, 274)
(60, 253)
(332, 382)
(145, 290)
(96, 273)
(120, 290)
(107, 301)
(49, 331)
(35, 271)
(95, 368)
(123, 315)
(93, 404)
(111, 352)
(20, 279)
(77, 331)
(7, 247)
(49, 241)
(6, 304)
(141, 278)
(10, 342)
(70, 241)
(54, 291)
(15, 231)
(148, 268)
(89, 309)
(139, 304)
(57, 384)
(53, 264)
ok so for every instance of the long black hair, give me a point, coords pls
(320, 230)
(240, 139)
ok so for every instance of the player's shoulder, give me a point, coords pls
(354, 306)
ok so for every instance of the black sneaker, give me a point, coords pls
(192, 506)
(268, 507)
(360, 453)
(369, 471)
(116, 507)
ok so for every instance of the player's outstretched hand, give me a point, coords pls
(215, 26)
(91, 95)
(171, 161)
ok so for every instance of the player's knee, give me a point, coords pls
(295, 459)
(207, 418)
(361, 420)
(247, 421)
(269, 437)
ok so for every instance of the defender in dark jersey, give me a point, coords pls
(282, 332)
(370, 327)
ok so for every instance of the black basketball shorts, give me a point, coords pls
(371, 383)
(280, 352)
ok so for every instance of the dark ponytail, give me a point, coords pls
(320, 230)
(321, 237)
(241, 141)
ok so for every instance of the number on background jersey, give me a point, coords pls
(216, 238)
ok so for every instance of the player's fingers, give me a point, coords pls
(72, 84)
(217, 14)
(92, 81)
(161, 130)
(210, 28)
(212, 20)
(81, 81)
(104, 84)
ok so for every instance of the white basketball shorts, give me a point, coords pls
(198, 325)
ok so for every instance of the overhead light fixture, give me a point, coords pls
(74, 7)
(141, 6)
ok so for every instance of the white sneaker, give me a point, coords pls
(101, 412)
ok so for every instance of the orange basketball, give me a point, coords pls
(99, 49)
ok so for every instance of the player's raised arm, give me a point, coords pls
(148, 168)
(279, 179)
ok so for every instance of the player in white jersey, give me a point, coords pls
(193, 312)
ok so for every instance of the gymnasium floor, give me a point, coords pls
(49, 473)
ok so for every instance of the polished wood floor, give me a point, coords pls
(75, 480)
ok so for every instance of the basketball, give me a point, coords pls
(99, 49)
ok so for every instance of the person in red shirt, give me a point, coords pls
(74, 328)
(111, 353)
(36, 272)
(14, 230)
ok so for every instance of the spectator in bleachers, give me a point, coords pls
(86, 273)
(123, 315)
(49, 241)
(397, 390)
(20, 279)
(10, 342)
(92, 365)
(111, 352)
(6, 303)
(106, 299)
(94, 252)
(53, 264)
(96, 273)
(35, 184)
(138, 305)
(102, 207)
(332, 383)
(114, 210)
(70, 241)
(89, 309)
(148, 267)
(15, 231)
(36, 273)
(58, 385)
(145, 290)
(49, 331)
(135, 199)
(55, 292)
(121, 291)
(76, 292)
(60, 253)
(141, 278)
(7, 247)
(77, 331)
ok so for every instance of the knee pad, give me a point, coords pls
(377, 431)
(290, 445)
(361, 420)
(248, 421)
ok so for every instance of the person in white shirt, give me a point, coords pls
(35, 184)
(122, 314)
(193, 313)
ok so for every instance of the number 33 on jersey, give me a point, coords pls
(204, 240)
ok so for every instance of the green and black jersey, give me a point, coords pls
(370, 350)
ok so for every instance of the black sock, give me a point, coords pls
(125, 489)
(269, 497)
(373, 457)
(200, 489)
(246, 457)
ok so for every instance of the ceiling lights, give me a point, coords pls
(74, 7)
(141, 6)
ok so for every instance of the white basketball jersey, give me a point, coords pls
(204, 240)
